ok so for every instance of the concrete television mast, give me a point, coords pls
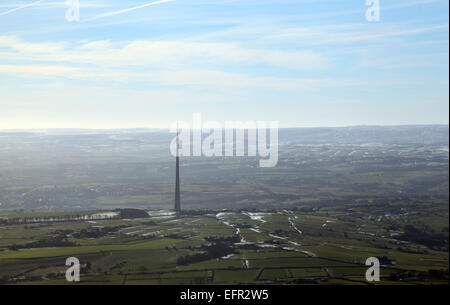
(177, 179)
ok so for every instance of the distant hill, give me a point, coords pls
(405, 134)
(132, 168)
(409, 134)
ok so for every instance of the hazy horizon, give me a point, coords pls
(167, 128)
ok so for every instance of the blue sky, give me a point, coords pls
(302, 63)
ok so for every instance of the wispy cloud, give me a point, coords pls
(198, 78)
(62, 4)
(109, 14)
(351, 33)
(166, 63)
(151, 54)
(409, 3)
(20, 7)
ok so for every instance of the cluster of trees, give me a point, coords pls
(50, 219)
(132, 213)
(224, 239)
(97, 232)
(53, 241)
(432, 274)
(213, 251)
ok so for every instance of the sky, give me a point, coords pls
(148, 63)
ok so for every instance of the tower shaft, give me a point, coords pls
(177, 180)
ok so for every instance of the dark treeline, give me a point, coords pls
(52, 219)
(213, 251)
(53, 241)
(97, 232)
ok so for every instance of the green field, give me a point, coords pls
(321, 246)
